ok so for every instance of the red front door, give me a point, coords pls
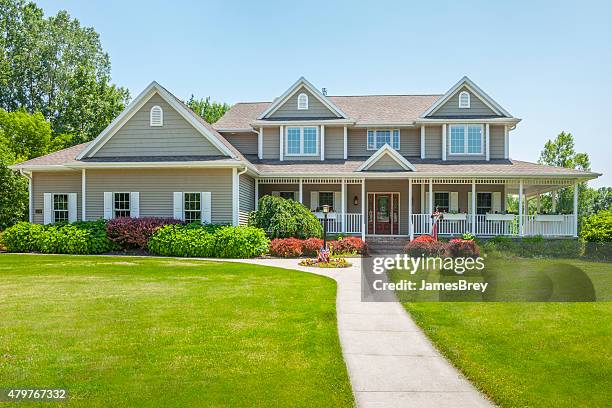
(383, 210)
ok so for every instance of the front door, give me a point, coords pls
(383, 213)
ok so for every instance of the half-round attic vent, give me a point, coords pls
(157, 116)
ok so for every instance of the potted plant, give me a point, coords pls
(454, 216)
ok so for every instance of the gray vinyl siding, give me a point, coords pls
(410, 142)
(247, 197)
(246, 143)
(271, 142)
(175, 138)
(54, 182)
(497, 140)
(156, 188)
(358, 143)
(433, 142)
(334, 142)
(289, 109)
(386, 163)
(451, 107)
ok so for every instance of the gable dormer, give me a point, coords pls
(302, 101)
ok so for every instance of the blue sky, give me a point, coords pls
(548, 63)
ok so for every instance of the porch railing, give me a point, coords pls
(352, 222)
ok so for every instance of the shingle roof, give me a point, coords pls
(61, 157)
(368, 109)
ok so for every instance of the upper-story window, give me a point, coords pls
(466, 139)
(302, 141)
(379, 138)
(302, 102)
(464, 99)
(156, 116)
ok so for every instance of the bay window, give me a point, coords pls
(466, 139)
(380, 137)
(302, 141)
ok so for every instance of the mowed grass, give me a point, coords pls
(121, 331)
(530, 354)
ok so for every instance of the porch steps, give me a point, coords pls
(386, 245)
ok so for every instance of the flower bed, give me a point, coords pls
(332, 263)
(294, 247)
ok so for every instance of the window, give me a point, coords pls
(192, 207)
(442, 201)
(60, 207)
(287, 195)
(326, 198)
(302, 141)
(466, 139)
(378, 138)
(156, 116)
(121, 205)
(302, 102)
(464, 100)
(483, 203)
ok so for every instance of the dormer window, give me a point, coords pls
(302, 102)
(464, 99)
(156, 116)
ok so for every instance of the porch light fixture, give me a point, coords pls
(356, 201)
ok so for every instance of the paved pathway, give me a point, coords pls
(391, 363)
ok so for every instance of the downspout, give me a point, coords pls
(29, 177)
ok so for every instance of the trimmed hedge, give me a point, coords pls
(293, 247)
(208, 241)
(78, 238)
(286, 247)
(134, 233)
(536, 247)
(282, 218)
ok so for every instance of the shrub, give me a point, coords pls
(425, 247)
(424, 238)
(134, 233)
(350, 245)
(468, 236)
(597, 227)
(79, 238)
(537, 246)
(463, 248)
(311, 246)
(282, 218)
(208, 241)
(286, 247)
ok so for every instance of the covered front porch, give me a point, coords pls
(402, 206)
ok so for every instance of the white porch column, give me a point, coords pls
(260, 143)
(410, 226)
(430, 203)
(30, 199)
(487, 138)
(575, 210)
(281, 140)
(506, 143)
(256, 194)
(363, 210)
(422, 141)
(345, 143)
(343, 207)
(235, 196)
(553, 198)
(322, 142)
(538, 204)
(473, 207)
(301, 192)
(444, 142)
(83, 195)
(520, 208)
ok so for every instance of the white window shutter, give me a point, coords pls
(454, 201)
(496, 202)
(427, 203)
(469, 202)
(314, 200)
(206, 207)
(178, 205)
(108, 205)
(72, 207)
(134, 204)
(337, 201)
(47, 208)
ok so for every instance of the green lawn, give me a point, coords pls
(120, 331)
(530, 354)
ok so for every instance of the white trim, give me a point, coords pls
(83, 195)
(467, 105)
(152, 122)
(410, 226)
(256, 194)
(260, 136)
(444, 132)
(281, 139)
(465, 140)
(319, 141)
(292, 90)
(345, 143)
(134, 107)
(471, 86)
(343, 204)
(422, 141)
(575, 210)
(364, 214)
(474, 209)
(301, 192)
(302, 101)
(30, 201)
(372, 129)
(394, 154)
(235, 197)
(506, 143)
(487, 142)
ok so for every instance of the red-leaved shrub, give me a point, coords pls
(134, 233)
(424, 238)
(286, 247)
(462, 248)
(428, 248)
(311, 246)
(350, 245)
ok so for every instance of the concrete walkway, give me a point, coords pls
(391, 363)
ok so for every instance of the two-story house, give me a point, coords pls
(383, 163)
